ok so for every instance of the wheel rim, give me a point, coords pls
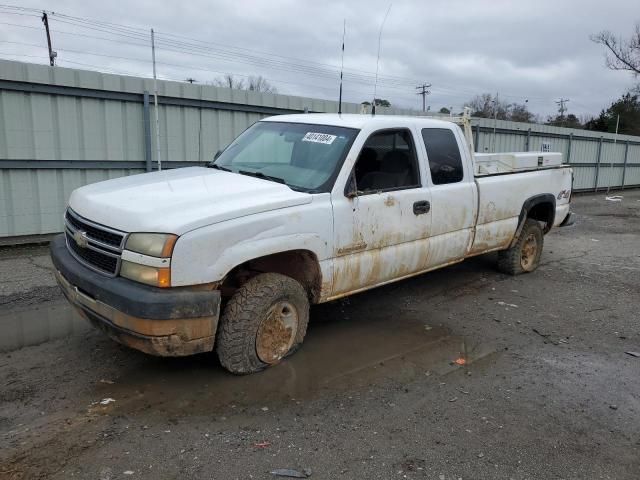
(529, 252)
(277, 332)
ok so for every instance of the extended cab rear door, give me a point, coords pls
(453, 193)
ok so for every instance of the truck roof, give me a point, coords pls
(359, 121)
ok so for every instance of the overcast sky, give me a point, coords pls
(537, 50)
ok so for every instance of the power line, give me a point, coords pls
(184, 67)
(177, 44)
(138, 33)
(135, 33)
(442, 91)
(77, 34)
(227, 59)
(259, 52)
(177, 47)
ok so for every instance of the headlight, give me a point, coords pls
(158, 277)
(159, 245)
(153, 244)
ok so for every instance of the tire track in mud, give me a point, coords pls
(48, 448)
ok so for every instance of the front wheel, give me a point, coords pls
(524, 256)
(264, 321)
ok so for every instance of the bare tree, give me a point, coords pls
(622, 54)
(229, 81)
(254, 83)
(481, 105)
(260, 84)
(487, 106)
(518, 112)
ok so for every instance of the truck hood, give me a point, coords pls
(180, 200)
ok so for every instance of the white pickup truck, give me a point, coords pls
(298, 210)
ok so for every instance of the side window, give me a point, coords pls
(444, 155)
(387, 162)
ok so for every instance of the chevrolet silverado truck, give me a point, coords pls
(297, 210)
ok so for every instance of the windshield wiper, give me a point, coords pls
(218, 167)
(251, 174)
(262, 175)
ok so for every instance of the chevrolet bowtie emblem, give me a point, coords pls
(81, 239)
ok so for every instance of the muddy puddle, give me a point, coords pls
(50, 321)
(349, 346)
(340, 356)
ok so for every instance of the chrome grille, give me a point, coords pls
(99, 234)
(94, 245)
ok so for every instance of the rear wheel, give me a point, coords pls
(524, 256)
(264, 321)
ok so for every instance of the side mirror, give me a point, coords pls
(218, 153)
(351, 189)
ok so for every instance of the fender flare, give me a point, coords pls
(528, 205)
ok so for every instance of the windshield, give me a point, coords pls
(303, 156)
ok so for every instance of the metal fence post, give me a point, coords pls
(624, 165)
(569, 148)
(147, 131)
(595, 186)
(528, 141)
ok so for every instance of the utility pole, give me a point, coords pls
(155, 99)
(52, 54)
(615, 138)
(424, 92)
(495, 120)
(562, 109)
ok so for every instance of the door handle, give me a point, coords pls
(423, 206)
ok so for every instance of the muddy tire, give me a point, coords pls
(524, 256)
(264, 321)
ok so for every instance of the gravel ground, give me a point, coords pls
(546, 389)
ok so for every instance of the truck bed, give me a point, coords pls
(501, 197)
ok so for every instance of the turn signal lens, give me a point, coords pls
(164, 277)
(157, 277)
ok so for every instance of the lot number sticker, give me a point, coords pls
(319, 138)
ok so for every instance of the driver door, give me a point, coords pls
(381, 234)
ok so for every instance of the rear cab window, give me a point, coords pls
(443, 154)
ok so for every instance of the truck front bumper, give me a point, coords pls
(158, 321)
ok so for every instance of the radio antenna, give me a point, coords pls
(375, 85)
(344, 32)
